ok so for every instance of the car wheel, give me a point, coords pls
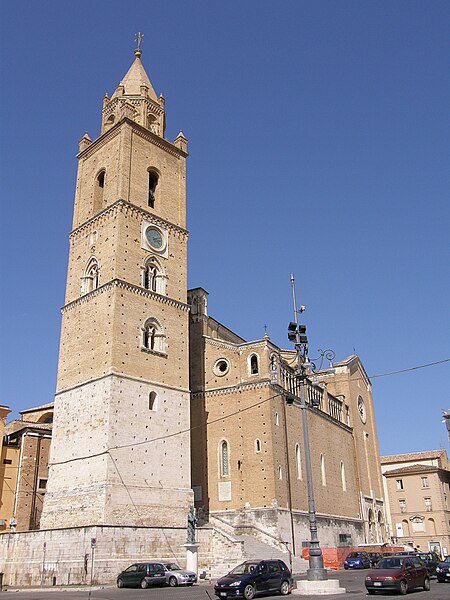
(371, 592)
(173, 581)
(403, 587)
(284, 588)
(144, 584)
(426, 584)
(249, 592)
(119, 583)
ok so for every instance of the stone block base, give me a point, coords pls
(318, 588)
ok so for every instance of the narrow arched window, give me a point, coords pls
(90, 279)
(152, 183)
(280, 473)
(99, 186)
(153, 338)
(152, 401)
(298, 461)
(224, 459)
(257, 445)
(254, 368)
(153, 277)
(277, 419)
(322, 470)
(344, 483)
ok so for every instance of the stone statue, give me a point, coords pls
(192, 524)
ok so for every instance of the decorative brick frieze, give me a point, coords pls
(120, 283)
(128, 209)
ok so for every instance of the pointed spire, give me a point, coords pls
(136, 82)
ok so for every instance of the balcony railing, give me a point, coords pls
(315, 395)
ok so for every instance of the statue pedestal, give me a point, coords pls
(191, 557)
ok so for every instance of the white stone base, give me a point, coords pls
(191, 557)
(318, 588)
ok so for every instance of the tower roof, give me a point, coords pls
(135, 78)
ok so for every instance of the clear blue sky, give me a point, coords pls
(319, 144)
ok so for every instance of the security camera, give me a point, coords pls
(302, 308)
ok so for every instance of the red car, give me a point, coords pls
(400, 573)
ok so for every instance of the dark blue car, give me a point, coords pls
(255, 577)
(357, 560)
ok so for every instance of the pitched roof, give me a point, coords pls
(411, 469)
(395, 458)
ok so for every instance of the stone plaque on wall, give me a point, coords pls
(225, 491)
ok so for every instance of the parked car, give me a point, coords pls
(357, 560)
(430, 560)
(254, 577)
(142, 575)
(175, 575)
(400, 573)
(443, 570)
(374, 557)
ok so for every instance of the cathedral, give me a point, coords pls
(159, 407)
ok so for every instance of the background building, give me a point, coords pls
(24, 468)
(417, 490)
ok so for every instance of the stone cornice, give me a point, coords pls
(124, 206)
(234, 346)
(115, 375)
(139, 130)
(120, 283)
(240, 387)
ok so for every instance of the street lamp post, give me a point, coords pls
(297, 334)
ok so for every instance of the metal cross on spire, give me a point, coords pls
(139, 37)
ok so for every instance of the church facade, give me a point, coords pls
(159, 407)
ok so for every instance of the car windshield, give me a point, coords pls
(244, 568)
(354, 555)
(446, 559)
(390, 563)
(172, 567)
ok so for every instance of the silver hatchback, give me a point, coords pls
(175, 575)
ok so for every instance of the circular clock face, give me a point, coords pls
(362, 409)
(154, 238)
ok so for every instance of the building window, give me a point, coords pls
(343, 481)
(257, 445)
(224, 459)
(402, 505)
(428, 504)
(7, 461)
(152, 183)
(280, 473)
(425, 482)
(152, 401)
(153, 277)
(399, 484)
(42, 484)
(322, 470)
(153, 338)
(254, 368)
(277, 419)
(99, 186)
(298, 461)
(90, 279)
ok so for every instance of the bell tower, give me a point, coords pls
(120, 450)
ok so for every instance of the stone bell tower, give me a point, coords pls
(120, 450)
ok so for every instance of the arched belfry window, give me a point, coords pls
(153, 277)
(224, 457)
(99, 186)
(254, 366)
(90, 279)
(152, 337)
(152, 183)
